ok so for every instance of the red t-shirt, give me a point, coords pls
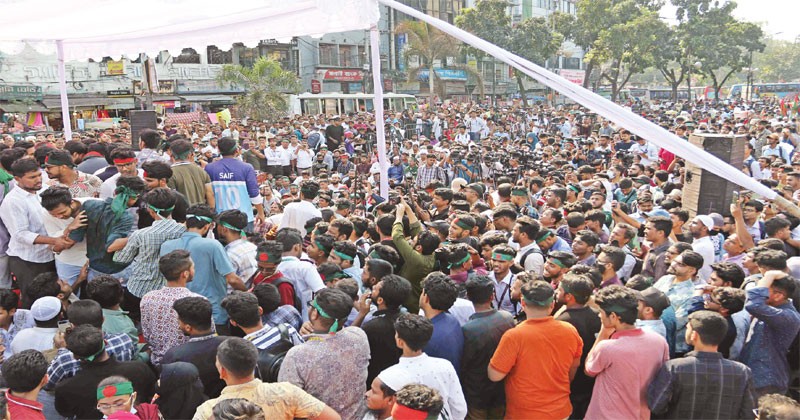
(285, 289)
(20, 408)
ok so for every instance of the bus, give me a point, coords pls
(764, 90)
(623, 96)
(345, 103)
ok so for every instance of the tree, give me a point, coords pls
(780, 61)
(532, 39)
(670, 58)
(265, 87)
(717, 40)
(599, 27)
(627, 47)
(430, 45)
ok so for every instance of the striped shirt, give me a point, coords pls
(243, 258)
(65, 365)
(21, 213)
(143, 250)
(427, 174)
(269, 336)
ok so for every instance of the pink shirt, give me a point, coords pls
(624, 365)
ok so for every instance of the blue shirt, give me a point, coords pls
(771, 334)
(211, 265)
(235, 186)
(396, 173)
(447, 341)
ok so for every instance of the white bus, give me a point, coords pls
(345, 103)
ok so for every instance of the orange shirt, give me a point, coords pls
(537, 356)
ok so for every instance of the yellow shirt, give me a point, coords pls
(280, 400)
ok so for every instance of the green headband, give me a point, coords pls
(120, 202)
(374, 256)
(321, 247)
(233, 228)
(158, 210)
(502, 257)
(545, 236)
(536, 303)
(460, 223)
(99, 352)
(462, 261)
(557, 262)
(108, 391)
(55, 161)
(203, 218)
(613, 308)
(342, 255)
(574, 188)
(519, 192)
(335, 326)
(232, 150)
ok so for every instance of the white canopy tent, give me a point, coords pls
(78, 30)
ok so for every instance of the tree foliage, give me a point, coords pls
(265, 84)
(429, 45)
(717, 40)
(780, 62)
(532, 39)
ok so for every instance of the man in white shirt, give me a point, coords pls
(125, 161)
(303, 274)
(46, 312)
(304, 157)
(60, 212)
(295, 215)
(30, 249)
(645, 150)
(412, 333)
(700, 227)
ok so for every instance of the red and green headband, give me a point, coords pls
(402, 412)
(501, 256)
(265, 257)
(108, 391)
(124, 161)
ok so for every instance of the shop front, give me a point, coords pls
(341, 80)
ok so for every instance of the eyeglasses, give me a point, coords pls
(119, 404)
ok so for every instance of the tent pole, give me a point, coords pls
(377, 83)
(62, 88)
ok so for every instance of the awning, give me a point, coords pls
(91, 102)
(161, 98)
(22, 108)
(208, 98)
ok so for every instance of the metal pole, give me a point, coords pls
(62, 88)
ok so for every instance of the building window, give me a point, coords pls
(347, 56)
(328, 55)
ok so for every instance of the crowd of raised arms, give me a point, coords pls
(528, 263)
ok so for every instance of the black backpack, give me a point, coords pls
(270, 359)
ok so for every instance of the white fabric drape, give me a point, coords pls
(635, 123)
(380, 135)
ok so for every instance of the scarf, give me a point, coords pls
(120, 202)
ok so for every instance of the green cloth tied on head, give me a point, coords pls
(158, 210)
(120, 202)
(538, 303)
(343, 256)
(502, 257)
(113, 390)
(461, 262)
(322, 313)
(202, 218)
(233, 228)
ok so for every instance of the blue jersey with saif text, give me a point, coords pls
(235, 185)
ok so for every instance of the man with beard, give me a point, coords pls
(142, 248)
(61, 171)
(502, 260)
(608, 263)
(195, 322)
(574, 292)
(30, 250)
(62, 212)
(387, 295)
(558, 263)
(157, 175)
(231, 225)
(679, 288)
(530, 257)
(160, 325)
(621, 236)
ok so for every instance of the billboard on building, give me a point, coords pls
(574, 76)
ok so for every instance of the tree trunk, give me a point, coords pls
(521, 90)
(588, 73)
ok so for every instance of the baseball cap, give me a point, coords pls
(654, 298)
(478, 188)
(439, 225)
(46, 308)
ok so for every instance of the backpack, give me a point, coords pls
(277, 282)
(270, 359)
(313, 140)
(529, 252)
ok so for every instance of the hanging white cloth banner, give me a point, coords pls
(62, 89)
(619, 115)
(377, 89)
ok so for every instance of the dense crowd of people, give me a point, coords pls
(528, 263)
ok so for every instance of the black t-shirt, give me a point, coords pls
(586, 321)
(77, 396)
(202, 354)
(382, 347)
(333, 136)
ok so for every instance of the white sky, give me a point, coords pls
(780, 17)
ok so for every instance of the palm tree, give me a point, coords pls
(265, 85)
(431, 44)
